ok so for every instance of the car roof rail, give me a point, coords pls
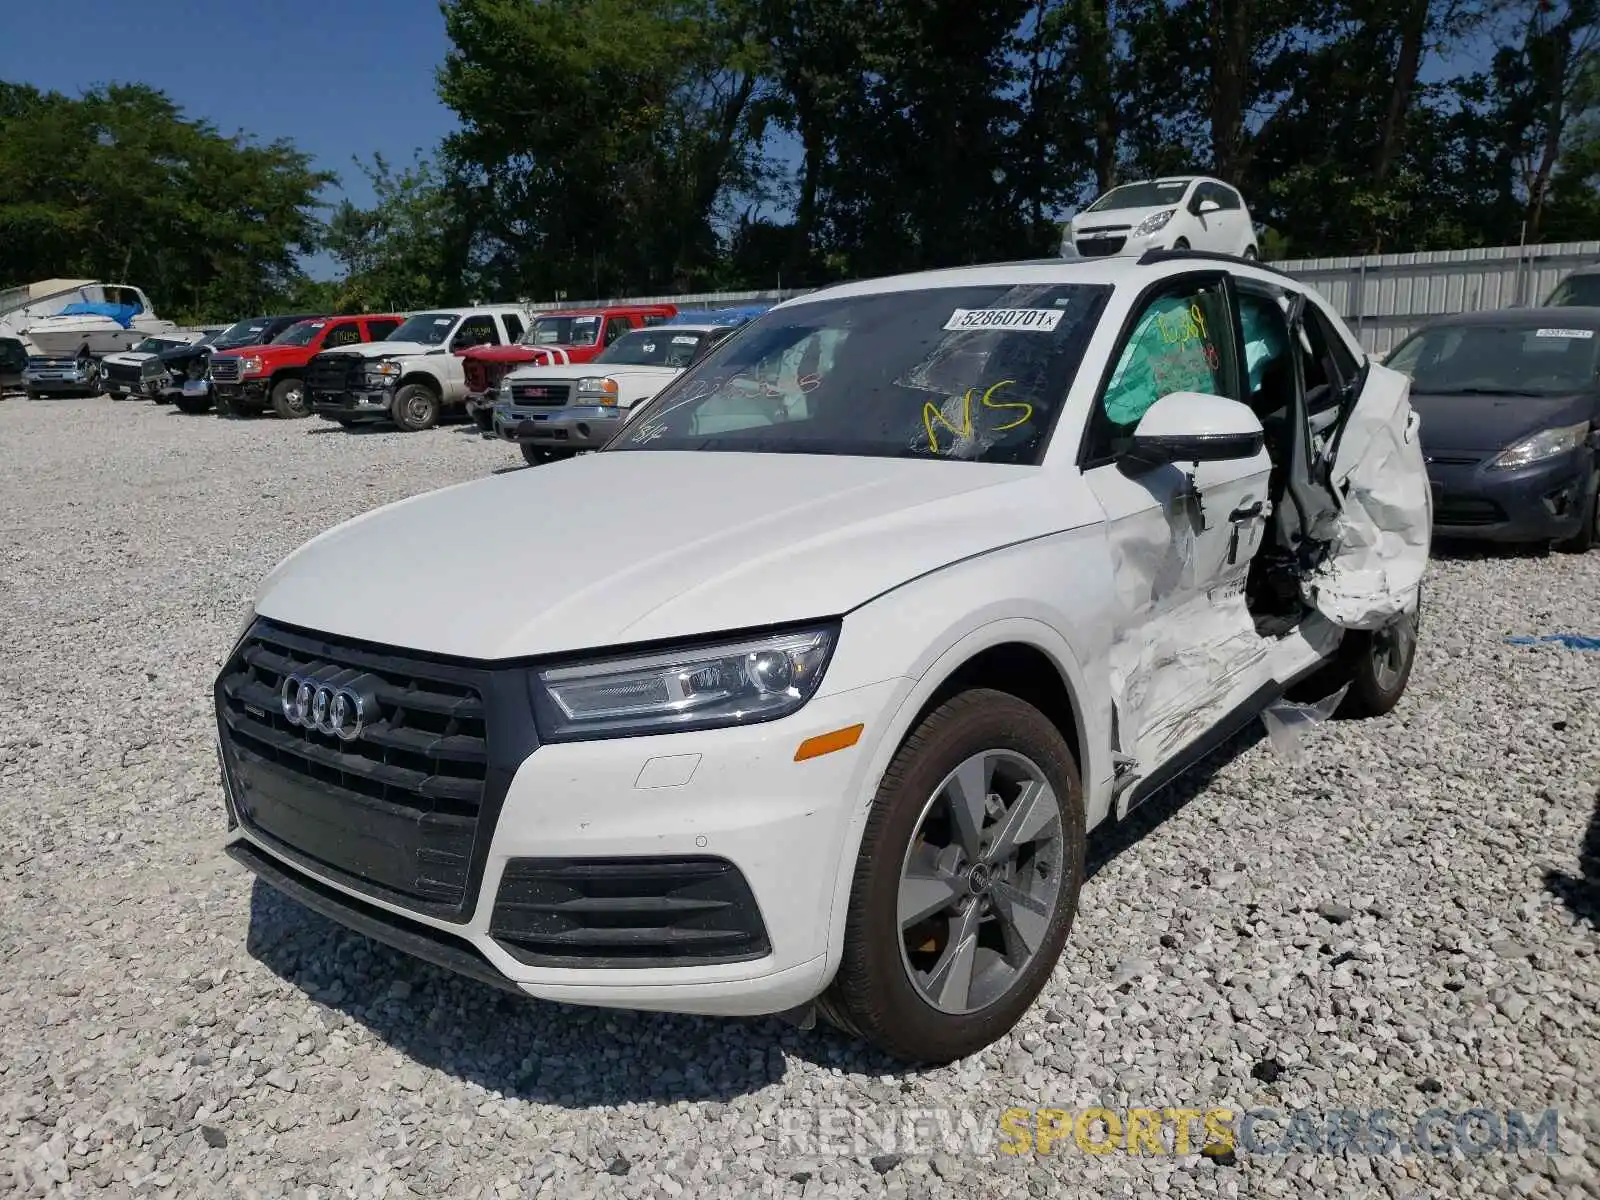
(1152, 258)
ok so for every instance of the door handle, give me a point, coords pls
(1247, 513)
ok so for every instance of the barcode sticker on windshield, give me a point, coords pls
(684, 341)
(443, 320)
(1032, 320)
(1585, 334)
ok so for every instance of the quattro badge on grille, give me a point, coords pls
(311, 703)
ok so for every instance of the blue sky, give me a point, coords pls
(341, 78)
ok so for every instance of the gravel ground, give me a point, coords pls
(1401, 924)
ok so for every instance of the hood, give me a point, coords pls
(1117, 216)
(185, 353)
(1486, 423)
(128, 358)
(588, 369)
(717, 542)
(519, 353)
(389, 349)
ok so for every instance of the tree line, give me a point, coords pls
(664, 146)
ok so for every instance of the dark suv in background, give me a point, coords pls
(180, 375)
(13, 361)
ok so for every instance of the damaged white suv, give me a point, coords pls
(919, 580)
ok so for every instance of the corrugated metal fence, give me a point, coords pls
(1382, 296)
(1386, 296)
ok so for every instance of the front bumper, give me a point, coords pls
(1541, 502)
(58, 381)
(247, 393)
(732, 795)
(570, 427)
(1119, 245)
(370, 405)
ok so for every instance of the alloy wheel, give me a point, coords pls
(1392, 647)
(980, 881)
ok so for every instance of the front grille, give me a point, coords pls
(627, 912)
(1466, 510)
(1454, 460)
(1099, 247)
(1097, 230)
(334, 374)
(541, 393)
(152, 368)
(119, 372)
(225, 369)
(52, 362)
(395, 812)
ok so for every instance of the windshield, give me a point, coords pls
(653, 348)
(155, 345)
(1511, 360)
(562, 331)
(1142, 195)
(1580, 290)
(301, 333)
(249, 332)
(972, 373)
(431, 329)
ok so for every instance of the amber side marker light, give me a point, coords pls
(827, 743)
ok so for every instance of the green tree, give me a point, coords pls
(406, 251)
(118, 184)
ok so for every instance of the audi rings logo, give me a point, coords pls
(327, 708)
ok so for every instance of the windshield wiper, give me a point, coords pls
(1478, 391)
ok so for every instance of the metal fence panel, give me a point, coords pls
(1386, 296)
(1383, 296)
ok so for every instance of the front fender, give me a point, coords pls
(1076, 642)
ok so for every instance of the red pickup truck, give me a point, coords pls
(250, 379)
(569, 335)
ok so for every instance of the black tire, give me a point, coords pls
(1181, 244)
(415, 407)
(536, 456)
(1250, 253)
(1377, 666)
(289, 399)
(1584, 540)
(193, 405)
(873, 995)
(33, 395)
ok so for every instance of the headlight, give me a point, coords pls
(1547, 443)
(599, 390)
(699, 687)
(251, 365)
(1153, 222)
(383, 370)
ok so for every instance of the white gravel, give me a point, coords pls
(1393, 926)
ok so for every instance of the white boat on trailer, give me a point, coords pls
(79, 318)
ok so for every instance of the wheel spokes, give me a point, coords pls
(926, 889)
(967, 793)
(950, 981)
(1029, 815)
(1024, 918)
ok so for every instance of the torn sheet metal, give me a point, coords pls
(1374, 568)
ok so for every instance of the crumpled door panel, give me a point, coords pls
(1374, 568)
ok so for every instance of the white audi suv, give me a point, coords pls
(870, 617)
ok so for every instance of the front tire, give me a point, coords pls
(415, 407)
(966, 883)
(1250, 253)
(537, 456)
(193, 405)
(289, 399)
(1377, 665)
(1181, 244)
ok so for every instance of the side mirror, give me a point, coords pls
(1208, 206)
(1193, 427)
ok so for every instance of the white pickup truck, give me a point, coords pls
(553, 412)
(414, 376)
